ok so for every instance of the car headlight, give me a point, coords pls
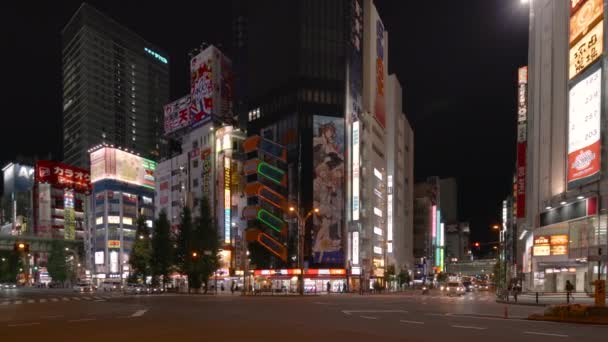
(442, 288)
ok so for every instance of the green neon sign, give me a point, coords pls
(267, 217)
(270, 172)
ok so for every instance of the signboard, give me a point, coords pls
(584, 129)
(44, 222)
(584, 15)
(177, 115)
(328, 190)
(99, 259)
(542, 250)
(62, 175)
(546, 245)
(112, 163)
(227, 200)
(521, 180)
(379, 105)
(355, 250)
(522, 94)
(18, 178)
(69, 222)
(559, 240)
(586, 50)
(113, 243)
(201, 87)
(206, 166)
(356, 166)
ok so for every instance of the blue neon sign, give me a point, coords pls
(156, 55)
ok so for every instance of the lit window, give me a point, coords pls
(378, 174)
(377, 211)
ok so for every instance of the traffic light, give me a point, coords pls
(477, 244)
(21, 247)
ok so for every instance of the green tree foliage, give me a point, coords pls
(403, 277)
(442, 277)
(182, 255)
(57, 265)
(141, 253)
(161, 249)
(10, 262)
(205, 240)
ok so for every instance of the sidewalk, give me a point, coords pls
(545, 299)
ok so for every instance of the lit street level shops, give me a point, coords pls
(315, 280)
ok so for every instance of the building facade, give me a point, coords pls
(114, 86)
(564, 226)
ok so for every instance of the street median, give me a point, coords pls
(574, 313)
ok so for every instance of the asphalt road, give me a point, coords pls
(322, 318)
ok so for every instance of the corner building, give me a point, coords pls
(566, 187)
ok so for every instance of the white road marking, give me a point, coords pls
(321, 303)
(468, 327)
(54, 299)
(30, 301)
(43, 300)
(81, 320)
(436, 314)
(139, 313)
(100, 300)
(76, 298)
(5, 303)
(52, 316)
(350, 312)
(411, 322)
(18, 302)
(65, 298)
(23, 324)
(87, 298)
(369, 317)
(544, 334)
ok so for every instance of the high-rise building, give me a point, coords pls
(563, 227)
(114, 86)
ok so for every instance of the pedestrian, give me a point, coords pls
(344, 288)
(232, 287)
(328, 287)
(222, 287)
(569, 289)
(515, 292)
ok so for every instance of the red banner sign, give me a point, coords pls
(62, 175)
(521, 180)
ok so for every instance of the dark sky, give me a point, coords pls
(456, 60)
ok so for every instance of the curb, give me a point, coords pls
(520, 303)
(565, 320)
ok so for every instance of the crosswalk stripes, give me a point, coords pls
(76, 299)
(65, 298)
(54, 300)
(42, 300)
(30, 301)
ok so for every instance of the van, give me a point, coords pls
(111, 285)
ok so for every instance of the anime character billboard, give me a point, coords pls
(328, 190)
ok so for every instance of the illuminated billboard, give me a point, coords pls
(547, 245)
(201, 87)
(355, 179)
(227, 199)
(112, 163)
(584, 15)
(177, 115)
(584, 114)
(328, 190)
(379, 103)
(62, 175)
(587, 50)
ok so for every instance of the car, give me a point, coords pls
(111, 285)
(468, 286)
(483, 286)
(8, 286)
(155, 289)
(83, 287)
(453, 289)
(135, 289)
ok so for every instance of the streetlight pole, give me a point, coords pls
(301, 235)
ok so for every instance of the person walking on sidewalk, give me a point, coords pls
(569, 289)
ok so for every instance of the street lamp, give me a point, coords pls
(301, 234)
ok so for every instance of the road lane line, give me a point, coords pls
(65, 299)
(86, 298)
(5, 303)
(76, 298)
(436, 314)
(139, 313)
(544, 334)
(350, 312)
(411, 322)
(369, 317)
(52, 316)
(54, 299)
(18, 302)
(321, 303)
(42, 300)
(23, 324)
(82, 320)
(468, 327)
(30, 301)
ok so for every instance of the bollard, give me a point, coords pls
(536, 297)
(506, 312)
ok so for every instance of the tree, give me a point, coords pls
(161, 249)
(403, 278)
(141, 253)
(57, 264)
(442, 277)
(205, 240)
(182, 255)
(10, 262)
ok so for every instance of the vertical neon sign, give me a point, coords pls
(227, 204)
(356, 203)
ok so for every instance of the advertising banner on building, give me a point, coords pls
(44, 221)
(584, 143)
(202, 86)
(206, 166)
(69, 222)
(522, 94)
(18, 178)
(586, 50)
(62, 175)
(328, 190)
(521, 179)
(584, 14)
(379, 102)
(227, 199)
(177, 115)
(111, 163)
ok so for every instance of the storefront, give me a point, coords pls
(566, 248)
(315, 280)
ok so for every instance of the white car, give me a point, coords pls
(83, 287)
(453, 289)
(110, 285)
(8, 286)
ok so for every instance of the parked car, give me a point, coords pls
(83, 287)
(453, 289)
(111, 285)
(155, 289)
(8, 286)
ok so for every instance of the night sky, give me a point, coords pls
(457, 62)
